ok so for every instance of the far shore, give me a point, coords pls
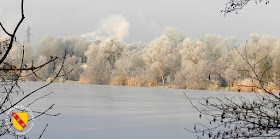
(229, 89)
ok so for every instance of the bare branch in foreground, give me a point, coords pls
(43, 131)
(241, 117)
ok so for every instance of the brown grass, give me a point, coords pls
(137, 81)
(250, 85)
(171, 86)
(49, 80)
(213, 87)
(119, 80)
(246, 85)
(134, 82)
(58, 80)
(271, 87)
(84, 80)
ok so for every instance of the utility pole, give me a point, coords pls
(28, 34)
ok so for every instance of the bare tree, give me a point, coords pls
(241, 117)
(236, 5)
(11, 73)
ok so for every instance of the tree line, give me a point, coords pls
(171, 59)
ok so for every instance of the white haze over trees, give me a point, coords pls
(115, 26)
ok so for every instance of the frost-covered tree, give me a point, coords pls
(122, 71)
(262, 52)
(135, 52)
(203, 59)
(80, 46)
(241, 117)
(12, 70)
(160, 54)
(135, 67)
(112, 50)
(17, 49)
(41, 75)
(157, 55)
(98, 68)
(125, 65)
(50, 45)
(71, 62)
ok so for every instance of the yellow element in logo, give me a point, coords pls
(20, 120)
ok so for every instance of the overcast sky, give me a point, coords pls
(139, 20)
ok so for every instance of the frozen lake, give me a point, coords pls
(119, 112)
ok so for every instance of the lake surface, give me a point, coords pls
(116, 112)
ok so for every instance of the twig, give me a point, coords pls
(43, 131)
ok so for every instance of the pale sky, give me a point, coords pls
(144, 19)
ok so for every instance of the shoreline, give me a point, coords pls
(223, 89)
